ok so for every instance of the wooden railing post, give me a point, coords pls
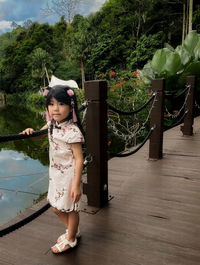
(157, 120)
(96, 187)
(187, 128)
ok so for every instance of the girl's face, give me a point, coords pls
(58, 110)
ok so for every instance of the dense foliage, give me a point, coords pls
(123, 35)
(111, 44)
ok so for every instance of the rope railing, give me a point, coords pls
(134, 111)
(187, 87)
(131, 134)
(14, 137)
(174, 116)
(25, 221)
(182, 93)
(177, 123)
(135, 150)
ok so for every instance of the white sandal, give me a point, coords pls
(63, 236)
(61, 246)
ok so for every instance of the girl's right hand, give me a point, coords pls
(27, 131)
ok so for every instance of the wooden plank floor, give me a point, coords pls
(153, 219)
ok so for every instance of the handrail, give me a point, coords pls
(178, 122)
(137, 149)
(14, 137)
(134, 111)
(177, 96)
(24, 221)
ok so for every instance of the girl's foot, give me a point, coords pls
(63, 246)
(64, 236)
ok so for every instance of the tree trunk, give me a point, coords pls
(190, 14)
(183, 28)
(139, 24)
(82, 73)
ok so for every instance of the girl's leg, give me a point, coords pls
(73, 222)
(62, 216)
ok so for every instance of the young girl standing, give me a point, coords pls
(66, 162)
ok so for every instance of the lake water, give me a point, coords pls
(23, 163)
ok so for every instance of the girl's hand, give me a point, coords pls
(27, 131)
(76, 193)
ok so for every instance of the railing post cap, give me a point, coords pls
(158, 84)
(96, 90)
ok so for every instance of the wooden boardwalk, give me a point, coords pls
(153, 219)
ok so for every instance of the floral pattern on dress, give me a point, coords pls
(59, 194)
(62, 165)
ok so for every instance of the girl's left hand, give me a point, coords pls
(76, 193)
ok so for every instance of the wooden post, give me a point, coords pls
(157, 120)
(96, 187)
(187, 128)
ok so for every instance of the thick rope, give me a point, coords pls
(137, 149)
(178, 122)
(25, 221)
(131, 112)
(179, 95)
(183, 92)
(14, 137)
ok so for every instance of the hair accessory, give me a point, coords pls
(46, 92)
(70, 92)
(48, 118)
(74, 117)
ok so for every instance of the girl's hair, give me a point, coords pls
(59, 92)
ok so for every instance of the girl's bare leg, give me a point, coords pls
(62, 216)
(71, 221)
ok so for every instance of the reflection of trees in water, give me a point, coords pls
(14, 120)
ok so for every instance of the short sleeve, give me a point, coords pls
(74, 135)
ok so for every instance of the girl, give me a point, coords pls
(66, 162)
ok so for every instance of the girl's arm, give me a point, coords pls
(76, 189)
(30, 131)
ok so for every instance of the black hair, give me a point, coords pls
(59, 92)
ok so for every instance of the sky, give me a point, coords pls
(22, 10)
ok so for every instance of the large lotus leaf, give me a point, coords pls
(173, 63)
(191, 41)
(192, 69)
(197, 51)
(184, 54)
(159, 60)
(169, 47)
(147, 74)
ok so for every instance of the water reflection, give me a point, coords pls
(23, 164)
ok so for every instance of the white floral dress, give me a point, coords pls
(62, 164)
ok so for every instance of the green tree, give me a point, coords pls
(39, 61)
(78, 43)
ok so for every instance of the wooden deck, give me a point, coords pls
(153, 219)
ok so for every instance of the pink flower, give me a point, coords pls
(46, 92)
(70, 92)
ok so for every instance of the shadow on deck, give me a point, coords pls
(153, 219)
